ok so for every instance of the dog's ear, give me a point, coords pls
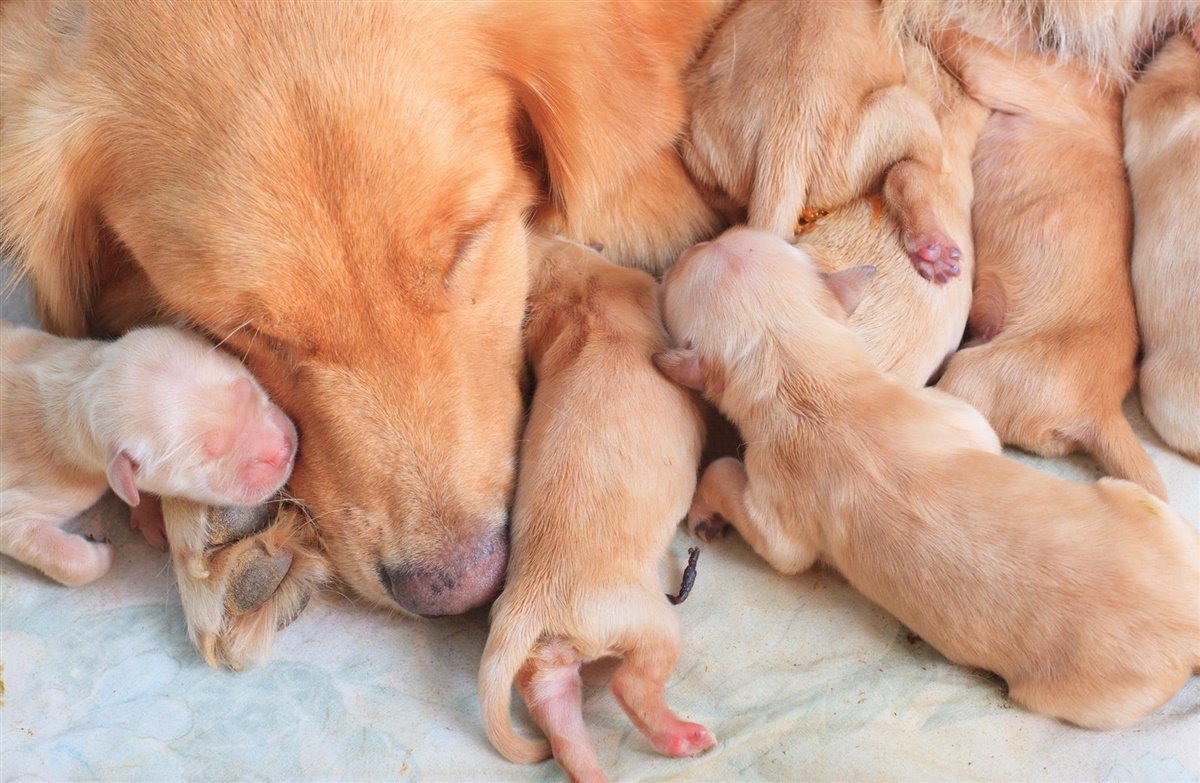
(121, 468)
(849, 286)
(599, 87)
(681, 365)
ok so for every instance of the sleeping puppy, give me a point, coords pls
(1055, 335)
(909, 327)
(804, 105)
(1085, 598)
(1162, 152)
(607, 471)
(158, 411)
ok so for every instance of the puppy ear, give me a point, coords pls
(849, 286)
(681, 365)
(121, 468)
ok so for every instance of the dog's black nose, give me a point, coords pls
(466, 577)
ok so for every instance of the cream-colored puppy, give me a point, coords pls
(1084, 597)
(909, 327)
(804, 105)
(1053, 318)
(1162, 152)
(608, 467)
(157, 411)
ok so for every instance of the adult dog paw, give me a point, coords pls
(243, 573)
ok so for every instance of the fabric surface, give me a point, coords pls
(800, 678)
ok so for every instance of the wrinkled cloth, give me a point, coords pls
(800, 678)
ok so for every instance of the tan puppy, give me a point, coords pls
(1162, 152)
(607, 471)
(1053, 299)
(804, 105)
(157, 411)
(1085, 598)
(909, 327)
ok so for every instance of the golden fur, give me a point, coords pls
(1053, 317)
(804, 105)
(1162, 152)
(1106, 37)
(607, 470)
(340, 193)
(1085, 598)
(907, 325)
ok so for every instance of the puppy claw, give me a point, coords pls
(707, 527)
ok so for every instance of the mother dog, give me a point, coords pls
(340, 193)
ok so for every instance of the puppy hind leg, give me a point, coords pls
(651, 651)
(553, 692)
(898, 134)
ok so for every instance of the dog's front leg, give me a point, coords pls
(720, 500)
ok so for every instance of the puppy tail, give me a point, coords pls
(508, 646)
(1118, 451)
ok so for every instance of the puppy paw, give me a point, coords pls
(934, 255)
(243, 574)
(146, 518)
(684, 739)
(706, 525)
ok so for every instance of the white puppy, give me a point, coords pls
(157, 411)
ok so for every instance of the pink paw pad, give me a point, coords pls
(686, 739)
(936, 257)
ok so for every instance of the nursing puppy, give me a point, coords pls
(1052, 318)
(1084, 597)
(1162, 152)
(157, 411)
(909, 327)
(607, 471)
(804, 105)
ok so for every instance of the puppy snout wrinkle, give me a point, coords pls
(472, 577)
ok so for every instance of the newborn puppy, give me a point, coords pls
(1053, 318)
(1084, 597)
(608, 467)
(909, 327)
(804, 105)
(1162, 151)
(157, 411)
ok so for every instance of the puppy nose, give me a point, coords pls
(472, 576)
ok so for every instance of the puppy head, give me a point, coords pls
(733, 302)
(183, 419)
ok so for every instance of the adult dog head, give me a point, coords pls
(340, 193)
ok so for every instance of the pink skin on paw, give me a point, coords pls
(935, 256)
(684, 739)
(146, 518)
